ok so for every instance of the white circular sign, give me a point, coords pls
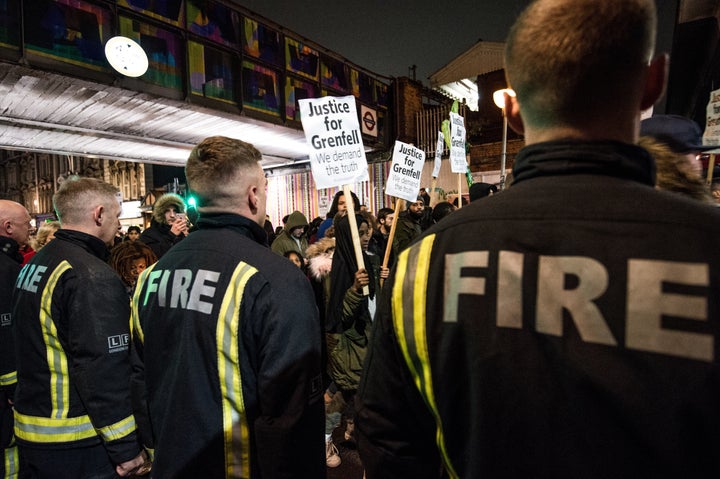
(126, 56)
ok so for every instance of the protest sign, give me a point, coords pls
(405, 171)
(438, 155)
(436, 168)
(333, 132)
(458, 164)
(711, 136)
(337, 153)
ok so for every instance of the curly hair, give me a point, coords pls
(124, 254)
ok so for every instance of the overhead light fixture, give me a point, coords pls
(126, 56)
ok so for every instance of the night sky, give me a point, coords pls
(387, 37)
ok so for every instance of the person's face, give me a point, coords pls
(341, 204)
(111, 222)
(296, 260)
(417, 207)
(297, 232)
(21, 227)
(171, 215)
(365, 232)
(133, 235)
(388, 221)
(138, 266)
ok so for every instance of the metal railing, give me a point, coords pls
(428, 122)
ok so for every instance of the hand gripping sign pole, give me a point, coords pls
(399, 206)
(337, 154)
(403, 182)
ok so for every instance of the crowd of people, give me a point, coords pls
(565, 326)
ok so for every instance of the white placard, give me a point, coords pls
(404, 178)
(458, 164)
(337, 154)
(711, 137)
(438, 154)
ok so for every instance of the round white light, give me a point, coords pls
(499, 97)
(126, 56)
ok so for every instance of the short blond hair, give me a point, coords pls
(78, 196)
(567, 59)
(213, 163)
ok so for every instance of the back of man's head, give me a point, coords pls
(220, 170)
(77, 197)
(571, 61)
(14, 221)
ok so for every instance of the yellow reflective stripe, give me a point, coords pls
(11, 461)
(409, 302)
(8, 379)
(118, 430)
(227, 342)
(56, 358)
(51, 430)
(135, 326)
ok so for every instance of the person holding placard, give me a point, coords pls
(349, 313)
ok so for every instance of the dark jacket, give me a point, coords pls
(159, 238)
(230, 331)
(10, 260)
(348, 317)
(567, 327)
(406, 231)
(72, 332)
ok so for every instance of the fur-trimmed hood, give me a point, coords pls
(163, 203)
(319, 255)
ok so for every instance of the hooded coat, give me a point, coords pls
(284, 242)
(348, 317)
(158, 236)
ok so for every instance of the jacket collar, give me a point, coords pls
(238, 223)
(92, 244)
(568, 157)
(11, 248)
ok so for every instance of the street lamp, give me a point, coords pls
(499, 99)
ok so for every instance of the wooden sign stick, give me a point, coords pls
(399, 206)
(354, 230)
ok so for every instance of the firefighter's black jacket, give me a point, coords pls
(230, 338)
(10, 261)
(72, 342)
(567, 327)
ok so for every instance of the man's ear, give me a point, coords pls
(253, 199)
(512, 111)
(98, 213)
(656, 81)
(7, 226)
